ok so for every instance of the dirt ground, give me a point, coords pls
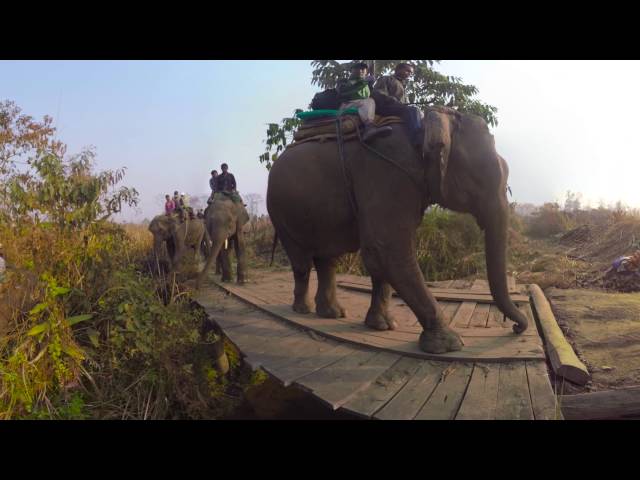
(604, 330)
(602, 326)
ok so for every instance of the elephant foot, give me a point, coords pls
(301, 307)
(241, 281)
(333, 310)
(227, 279)
(440, 340)
(379, 321)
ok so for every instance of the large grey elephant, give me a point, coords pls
(224, 220)
(178, 237)
(323, 207)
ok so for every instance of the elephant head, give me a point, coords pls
(467, 175)
(163, 228)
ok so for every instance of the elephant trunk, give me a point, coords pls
(217, 243)
(496, 255)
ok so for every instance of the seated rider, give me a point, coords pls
(169, 205)
(213, 184)
(176, 202)
(184, 205)
(391, 99)
(356, 92)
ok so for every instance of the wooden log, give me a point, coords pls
(563, 359)
(610, 404)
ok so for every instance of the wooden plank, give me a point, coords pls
(481, 312)
(410, 399)
(514, 400)
(461, 295)
(297, 368)
(227, 321)
(502, 348)
(533, 324)
(258, 341)
(463, 315)
(444, 402)
(511, 283)
(480, 290)
(449, 309)
(337, 383)
(543, 398)
(610, 404)
(374, 397)
(563, 359)
(481, 399)
(480, 316)
(496, 318)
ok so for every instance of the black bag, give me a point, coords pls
(327, 100)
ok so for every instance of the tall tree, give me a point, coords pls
(428, 87)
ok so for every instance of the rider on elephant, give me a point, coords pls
(356, 92)
(227, 185)
(391, 99)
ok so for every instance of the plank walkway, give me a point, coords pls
(384, 375)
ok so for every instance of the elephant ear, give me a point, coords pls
(437, 142)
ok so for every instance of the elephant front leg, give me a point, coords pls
(406, 278)
(326, 302)
(219, 264)
(241, 256)
(226, 264)
(378, 316)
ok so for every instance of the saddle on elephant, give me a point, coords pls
(325, 128)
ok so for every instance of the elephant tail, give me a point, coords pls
(273, 248)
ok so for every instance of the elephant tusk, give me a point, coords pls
(226, 244)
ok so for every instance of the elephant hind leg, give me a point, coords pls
(378, 316)
(326, 302)
(301, 266)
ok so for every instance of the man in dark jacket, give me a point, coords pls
(226, 180)
(391, 99)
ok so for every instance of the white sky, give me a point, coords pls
(563, 125)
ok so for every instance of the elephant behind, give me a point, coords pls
(177, 236)
(373, 199)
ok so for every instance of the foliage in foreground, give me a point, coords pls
(87, 331)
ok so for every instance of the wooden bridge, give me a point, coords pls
(384, 375)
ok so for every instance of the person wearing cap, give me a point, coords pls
(356, 92)
(391, 99)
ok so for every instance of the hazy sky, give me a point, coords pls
(563, 125)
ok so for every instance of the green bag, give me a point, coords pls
(325, 113)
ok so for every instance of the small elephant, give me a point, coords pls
(224, 220)
(178, 236)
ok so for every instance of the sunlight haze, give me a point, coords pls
(563, 125)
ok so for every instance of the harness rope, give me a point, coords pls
(420, 186)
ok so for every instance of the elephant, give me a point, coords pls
(373, 199)
(178, 236)
(224, 220)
